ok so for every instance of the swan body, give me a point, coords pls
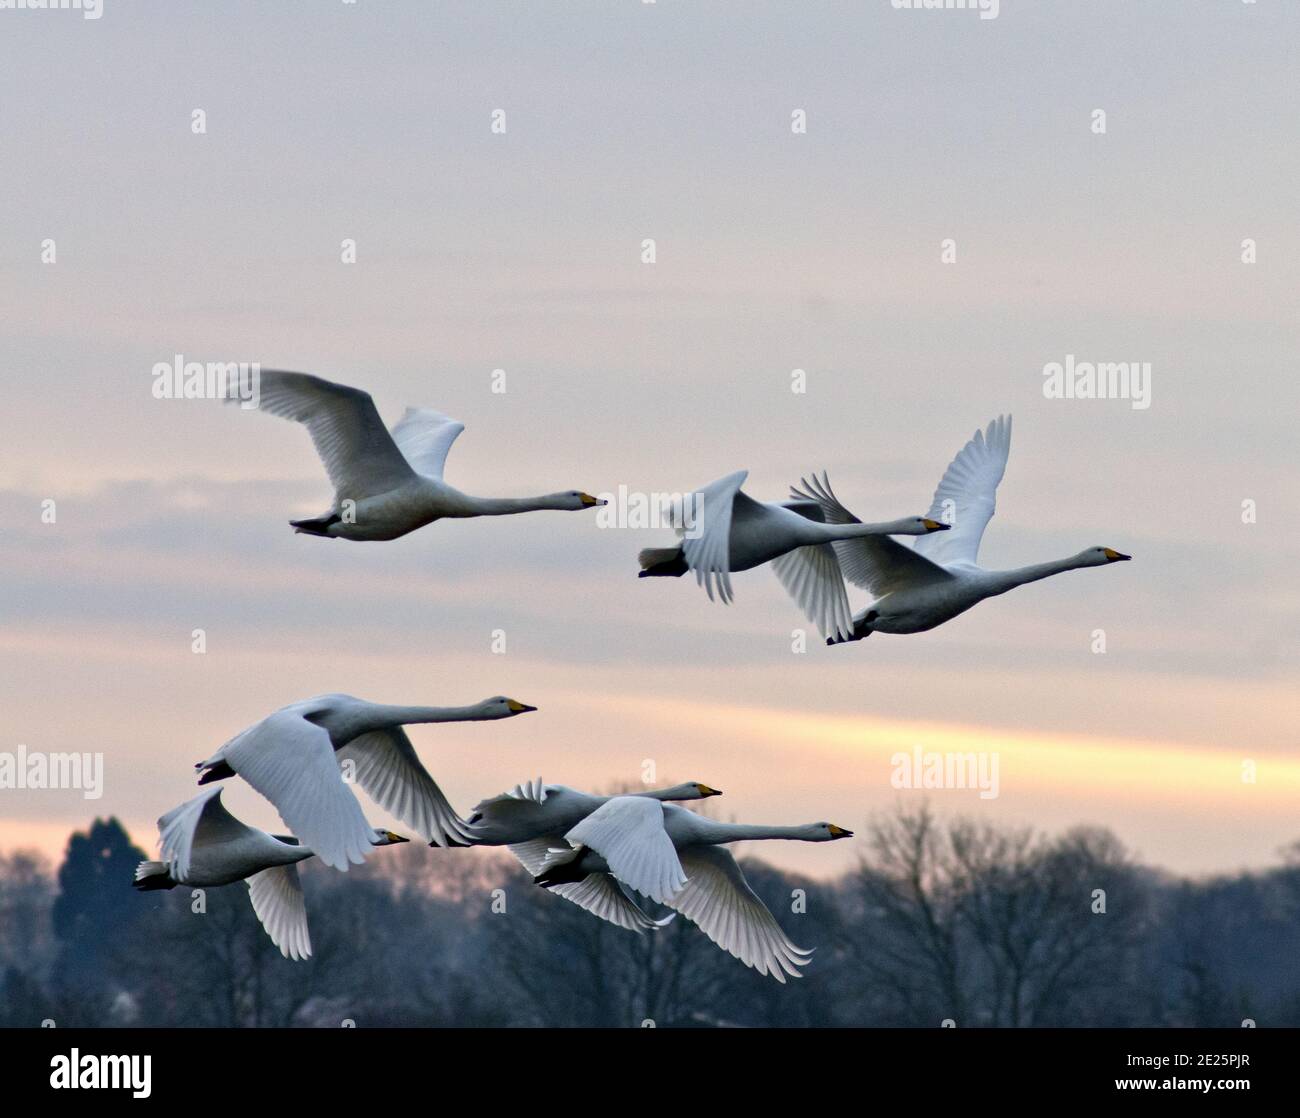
(386, 483)
(737, 533)
(203, 845)
(293, 758)
(532, 819)
(677, 858)
(918, 588)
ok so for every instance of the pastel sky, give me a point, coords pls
(775, 251)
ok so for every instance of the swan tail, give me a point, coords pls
(152, 875)
(215, 770)
(316, 525)
(662, 562)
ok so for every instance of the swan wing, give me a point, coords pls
(601, 895)
(966, 497)
(291, 762)
(424, 437)
(628, 832)
(358, 452)
(811, 576)
(278, 901)
(718, 898)
(199, 821)
(708, 554)
(879, 564)
(390, 773)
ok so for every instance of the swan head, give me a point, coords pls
(501, 707)
(575, 500)
(1100, 556)
(917, 526)
(825, 832)
(386, 838)
(691, 790)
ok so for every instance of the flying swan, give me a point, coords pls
(733, 532)
(294, 756)
(386, 484)
(917, 588)
(531, 821)
(676, 857)
(203, 844)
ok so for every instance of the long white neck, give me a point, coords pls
(504, 506)
(857, 531)
(740, 832)
(999, 582)
(405, 716)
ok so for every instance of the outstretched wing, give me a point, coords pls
(967, 495)
(358, 452)
(424, 437)
(706, 545)
(811, 576)
(390, 773)
(202, 820)
(277, 899)
(718, 898)
(291, 762)
(879, 564)
(628, 832)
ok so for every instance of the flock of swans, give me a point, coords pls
(598, 852)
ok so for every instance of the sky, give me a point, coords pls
(775, 250)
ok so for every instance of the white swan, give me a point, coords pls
(203, 844)
(916, 589)
(675, 857)
(386, 484)
(733, 532)
(293, 758)
(531, 821)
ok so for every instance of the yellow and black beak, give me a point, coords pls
(516, 707)
(588, 500)
(934, 525)
(838, 832)
(1115, 556)
(706, 791)
(395, 838)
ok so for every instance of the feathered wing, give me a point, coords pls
(424, 437)
(358, 452)
(291, 762)
(878, 564)
(967, 495)
(389, 772)
(718, 899)
(628, 832)
(706, 545)
(597, 893)
(202, 820)
(278, 901)
(811, 576)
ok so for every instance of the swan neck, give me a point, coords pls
(739, 832)
(504, 506)
(389, 716)
(1009, 580)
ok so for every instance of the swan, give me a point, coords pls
(203, 844)
(917, 588)
(733, 532)
(531, 821)
(293, 758)
(676, 857)
(386, 484)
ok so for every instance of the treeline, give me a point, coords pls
(942, 920)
